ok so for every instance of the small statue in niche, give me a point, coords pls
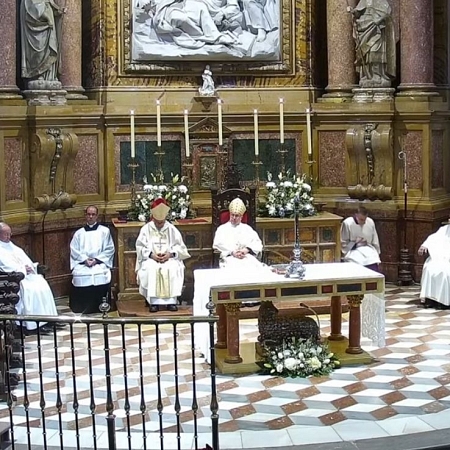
(373, 31)
(207, 88)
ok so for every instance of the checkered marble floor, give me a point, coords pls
(406, 390)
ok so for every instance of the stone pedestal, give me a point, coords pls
(416, 48)
(45, 93)
(373, 95)
(8, 88)
(341, 52)
(71, 65)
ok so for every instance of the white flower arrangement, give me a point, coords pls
(282, 193)
(176, 193)
(300, 358)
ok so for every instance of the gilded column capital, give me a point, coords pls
(232, 308)
(355, 301)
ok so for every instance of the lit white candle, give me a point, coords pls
(281, 121)
(186, 132)
(255, 119)
(219, 117)
(132, 143)
(308, 130)
(158, 122)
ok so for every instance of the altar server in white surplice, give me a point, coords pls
(159, 265)
(238, 243)
(91, 260)
(435, 284)
(359, 240)
(36, 297)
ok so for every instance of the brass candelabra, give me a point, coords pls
(282, 152)
(256, 164)
(223, 156)
(189, 170)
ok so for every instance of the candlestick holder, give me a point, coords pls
(189, 170)
(282, 152)
(223, 158)
(256, 164)
(160, 153)
(133, 165)
(310, 163)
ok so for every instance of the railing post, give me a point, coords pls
(214, 405)
(110, 418)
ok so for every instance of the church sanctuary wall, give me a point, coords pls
(315, 68)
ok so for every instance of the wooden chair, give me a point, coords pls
(220, 201)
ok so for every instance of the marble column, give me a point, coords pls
(341, 50)
(416, 47)
(70, 75)
(8, 19)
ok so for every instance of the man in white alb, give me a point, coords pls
(91, 260)
(36, 297)
(159, 261)
(435, 284)
(359, 240)
(238, 243)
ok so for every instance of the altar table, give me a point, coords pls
(363, 288)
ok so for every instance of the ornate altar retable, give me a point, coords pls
(363, 288)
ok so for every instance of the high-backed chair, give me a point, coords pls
(220, 201)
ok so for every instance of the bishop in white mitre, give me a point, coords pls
(359, 240)
(238, 243)
(159, 261)
(435, 284)
(91, 260)
(36, 297)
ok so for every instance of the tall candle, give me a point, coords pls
(186, 132)
(219, 117)
(132, 143)
(308, 130)
(255, 119)
(281, 121)
(158, 122)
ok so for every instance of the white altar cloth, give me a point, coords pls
(372, 307)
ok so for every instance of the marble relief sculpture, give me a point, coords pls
(195, 29)
(373, 32)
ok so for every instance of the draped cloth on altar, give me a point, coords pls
(372, 307)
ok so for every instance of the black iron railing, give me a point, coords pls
(115, 382)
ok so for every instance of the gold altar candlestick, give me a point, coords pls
(223, 158)
(133, 165)
(256, 163)
(160, 153)
(189, 170)
(282, 151)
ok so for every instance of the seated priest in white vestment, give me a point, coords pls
(359, 240)
(36, 297)
(435, 284)
(159, 261)
(91, 260)
(238, 243)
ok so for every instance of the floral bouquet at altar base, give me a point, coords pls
(282, 192)
(176, 193)
(299, 358)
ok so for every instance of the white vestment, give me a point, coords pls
(160, 283)
(229, 238)
(435, 283)
(96, 243)
(351, 231)
(36, 297)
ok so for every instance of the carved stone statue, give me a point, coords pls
(373, 32)
(207, 87)
(40, 26)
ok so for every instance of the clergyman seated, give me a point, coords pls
(238, 243)
(359, 240)
(36, 297)
(91, 260)
(159, 264)
(435, 283)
